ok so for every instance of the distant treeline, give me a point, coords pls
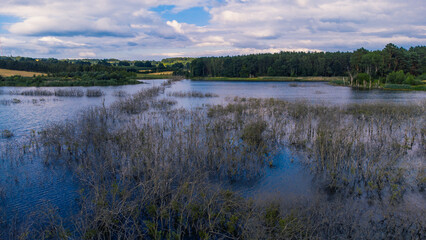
(64, 73)
(52, 65)
(377, 64)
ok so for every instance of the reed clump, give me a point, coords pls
(71, 92)
(192, 94)
(37, 92)
(94, 93)
(6, 133)
(120, 93)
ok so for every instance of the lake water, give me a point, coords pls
(27, 185)
(320, 92)
(32, 113)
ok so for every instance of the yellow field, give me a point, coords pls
(8, 73)
(162, 73)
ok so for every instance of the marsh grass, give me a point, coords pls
(69, 92)
(120, 93)
(6, 133)
(94, 93)
(192, 94)
(37, 92)
(149, 170)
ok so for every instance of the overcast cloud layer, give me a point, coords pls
(148, 29)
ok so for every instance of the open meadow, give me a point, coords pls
(9, 73)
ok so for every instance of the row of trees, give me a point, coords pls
(391, 65)
(279, 64)
(52, 65)
(373, 64)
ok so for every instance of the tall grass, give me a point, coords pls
(192, 94)
(120, 93)
(148, 170)
(70, 92)
(94, 93)
(6, 133)
(37, 92)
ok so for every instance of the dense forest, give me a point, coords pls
(359, 65)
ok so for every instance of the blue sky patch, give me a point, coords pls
(5, 21)
(195, 15)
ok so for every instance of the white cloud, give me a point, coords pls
(87, 54)
(176, 26)
(58, 42)
(129, 29)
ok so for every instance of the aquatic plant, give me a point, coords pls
(120, 93)
(37, 92)
(70, 92)
(6, 133)
(94, 93)
(192, 94)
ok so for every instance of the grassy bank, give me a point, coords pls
(405, 87)
(376, 85)
(271, 79)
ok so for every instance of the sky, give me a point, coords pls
(153, 30)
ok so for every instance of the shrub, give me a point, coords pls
(252, 133)
(396, 77)
(6, 134)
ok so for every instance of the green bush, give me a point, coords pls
(252, 133)
(362, 78)
(396, 77)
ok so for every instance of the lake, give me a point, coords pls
(27, 184)
(32, 113)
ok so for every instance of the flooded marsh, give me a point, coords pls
(158, 164)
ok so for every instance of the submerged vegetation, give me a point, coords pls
(6, 133)
(94, 93)
(192, 94)
(148, 170)
(61, 92)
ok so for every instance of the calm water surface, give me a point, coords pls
(320, 92)
(29, 184)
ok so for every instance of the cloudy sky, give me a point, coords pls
(149, 29)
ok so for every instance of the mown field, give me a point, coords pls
(159, 75)
(9, 73)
